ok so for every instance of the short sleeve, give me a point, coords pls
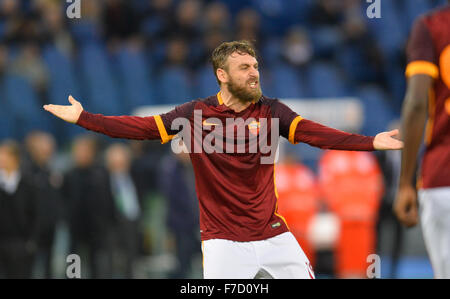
(420, 51)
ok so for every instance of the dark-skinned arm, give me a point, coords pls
(414, 116)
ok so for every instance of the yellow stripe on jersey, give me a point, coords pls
(276, 195)
(292, 129)
(431, 115)
(162, 130)
(219, 98)
(422, 67)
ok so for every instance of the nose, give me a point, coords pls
(254, 73)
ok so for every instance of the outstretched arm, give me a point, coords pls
(324, 137)
(130, 127)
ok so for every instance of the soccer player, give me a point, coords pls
(428, 73)
(243, 236)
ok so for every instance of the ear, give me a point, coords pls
(222, 75)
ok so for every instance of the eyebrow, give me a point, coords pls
(247, 64)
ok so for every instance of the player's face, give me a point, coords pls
(243, 77)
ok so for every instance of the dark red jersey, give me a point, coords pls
(236, 189)
(428, 53)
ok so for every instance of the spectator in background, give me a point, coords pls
(217, 18)
(40, 149)
(30, 66)
(297, 49)
(146, 155)
(156, 20)
(326, 13)
(187, 16)
(182, 220)
(3, 60)
(175, 72)
(211, 39)
(55, 27)
(120, 21)
(18, 215)
(365, 63)
(390, 164)
(248, 27)
(89, 208)
(298, 199)
(352, 185)
(127, 206)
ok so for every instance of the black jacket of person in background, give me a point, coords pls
(90, 215)
(18, 229)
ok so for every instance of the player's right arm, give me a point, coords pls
(421, 71)
(414, 116)
(129, 127)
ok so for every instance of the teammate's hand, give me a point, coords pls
(405, 205)
(385, 141)
(68, 113)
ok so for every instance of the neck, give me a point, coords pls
(232, 102)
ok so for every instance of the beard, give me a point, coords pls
(244, 93)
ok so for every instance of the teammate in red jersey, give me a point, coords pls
(242, 234)
(428, 73)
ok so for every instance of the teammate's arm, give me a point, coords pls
(421, 71)
(130, 127)
(414, 115)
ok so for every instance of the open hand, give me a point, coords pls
(69, 113)
(385, 141)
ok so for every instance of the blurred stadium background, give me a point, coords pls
(325, 57)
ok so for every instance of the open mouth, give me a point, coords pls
(253, 84)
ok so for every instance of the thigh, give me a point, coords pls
(282, 257)
(434, 218)
(224, 259)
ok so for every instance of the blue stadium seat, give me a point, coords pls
(286, 82)
(324, 40)
(102, 94)
(174, 86)
(397, 85)
(85, 31)
(412, 9)
(271, 52)
(352, 60)
(63, 81)
(24, 107)
(325, 80)
(207, 83)
(6, 124)
(2, 29)
(377, 111)
(6, 120)
(389, 32)
(135, 78)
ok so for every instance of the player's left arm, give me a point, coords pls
(324, 137)
(297, 129)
